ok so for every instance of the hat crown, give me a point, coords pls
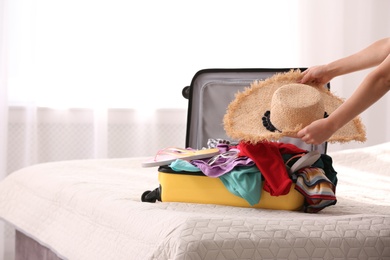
(295, 105)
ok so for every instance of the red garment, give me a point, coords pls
(268, 158)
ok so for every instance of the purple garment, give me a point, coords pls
(222, 164)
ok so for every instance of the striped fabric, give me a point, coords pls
(318, 190)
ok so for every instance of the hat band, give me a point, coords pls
(268, 124)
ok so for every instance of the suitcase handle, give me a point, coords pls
(186, 92)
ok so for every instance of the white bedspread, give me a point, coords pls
(91, 209)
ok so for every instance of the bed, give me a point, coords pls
(91, 209)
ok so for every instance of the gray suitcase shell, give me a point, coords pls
(209, 95)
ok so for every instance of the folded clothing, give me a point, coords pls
(318, 190)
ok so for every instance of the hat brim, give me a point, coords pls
(242, 120)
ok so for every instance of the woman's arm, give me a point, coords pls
(366, 58)
(373, 87)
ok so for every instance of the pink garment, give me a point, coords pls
(268, 158)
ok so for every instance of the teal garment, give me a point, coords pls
(183, 165)
(245, 182)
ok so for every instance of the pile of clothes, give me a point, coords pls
(246, 168)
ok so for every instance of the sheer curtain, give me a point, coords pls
(4, 247)
(88, 79)
(84, 79)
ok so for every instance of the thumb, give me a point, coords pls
(301, 133)
(304, 79)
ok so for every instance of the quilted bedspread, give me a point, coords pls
(91, 209)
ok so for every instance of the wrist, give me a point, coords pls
(333, 124)
(332, 70)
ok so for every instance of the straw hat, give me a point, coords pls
(279, 106)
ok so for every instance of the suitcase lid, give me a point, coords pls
(209, 95)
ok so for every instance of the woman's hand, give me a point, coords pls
(317, 132)
(317, 75)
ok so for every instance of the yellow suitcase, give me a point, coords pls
(199, 188)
